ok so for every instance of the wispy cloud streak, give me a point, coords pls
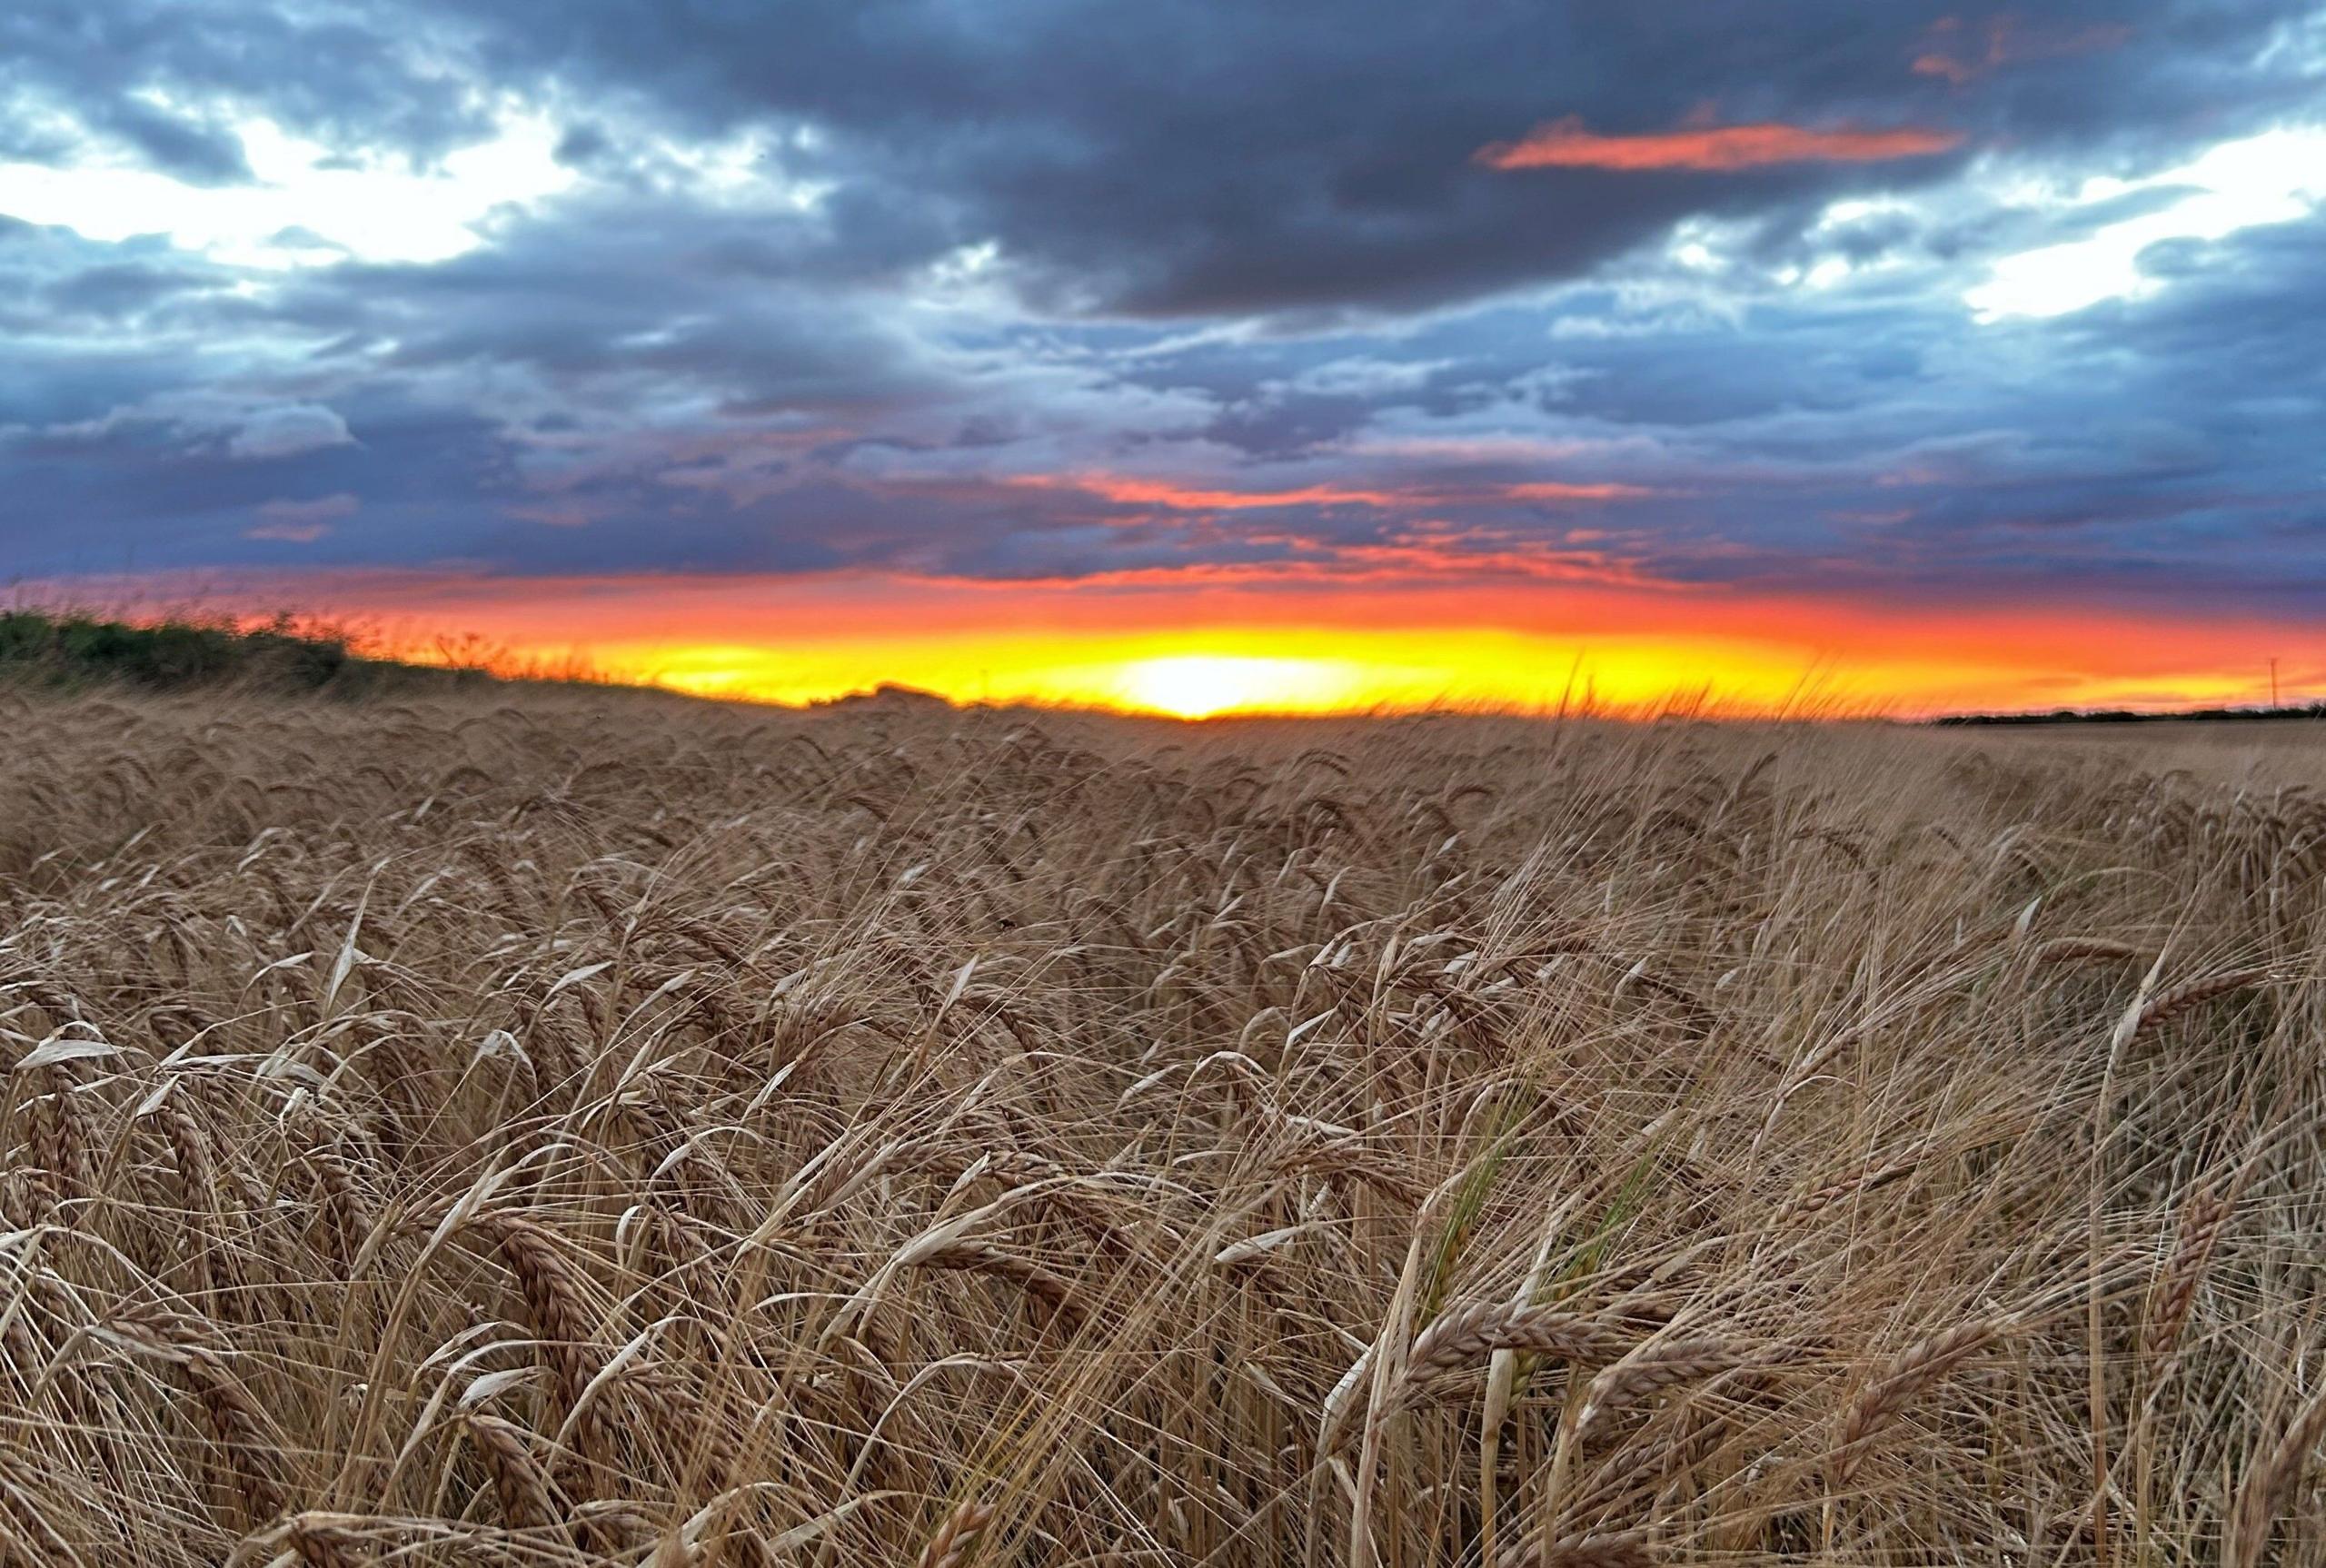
(1565, 145)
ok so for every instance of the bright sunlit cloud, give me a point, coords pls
(376, 208)
(2272, 178)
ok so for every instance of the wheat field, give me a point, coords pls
(546, 1129)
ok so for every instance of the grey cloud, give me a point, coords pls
(199, 153)
(356, 73)
(322, 509)
(121, 288)
(1190, 157)
(286, 431)
(1187, 157)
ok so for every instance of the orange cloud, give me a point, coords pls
(1956, 71)
(288, 533)
(1565, 145)
(2008, 42)
(1187, 498)
(1553, 490)
(1127, 491)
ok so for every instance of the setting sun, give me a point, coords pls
(1198, 685)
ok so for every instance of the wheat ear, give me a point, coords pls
(1653, 1368)
(525, 1500)
(2202, 1219)
(983, 1257)
(2269, 1483)
(1909, 1374)
(2073, 949)
(1462, 1335)
(957, 1537)
(1625, 1550)
(2166, 1006)
(557, 1305)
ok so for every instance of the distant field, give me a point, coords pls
(539, 1127)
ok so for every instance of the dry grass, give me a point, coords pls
(604, 1129)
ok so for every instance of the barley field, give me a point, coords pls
(558, 1127)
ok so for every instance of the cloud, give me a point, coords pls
(302, 522)
(120, 288)
(147, 72)
(1554, 489)
(1565, 145)
(287, 533)
(210, 421)
(176, 144)
(1961, 54)
(1186, 159)
(1184, 293)
(1178, 159)
(1177, 497)
(287, 430)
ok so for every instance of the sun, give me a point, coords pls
(1199, 685)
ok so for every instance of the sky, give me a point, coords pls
(1191, 355)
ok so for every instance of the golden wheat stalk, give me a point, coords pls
(2165, 1005)
(1824, 1198)
(1056, 1295)
(1464, 1335)
(2203, 1218)
(1906, 1378)
(2264, 1495)
(1627, 1549)
(957, 1536)
(523, 1490)
(557, 1305)
(1652, 1368)
(2076, 949)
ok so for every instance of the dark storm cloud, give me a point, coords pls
(197, 153)
(1187, 157)
(118, 290)
(622, 314)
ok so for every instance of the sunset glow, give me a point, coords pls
(1198, 653)
(1206, 672)
(1565, 145)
